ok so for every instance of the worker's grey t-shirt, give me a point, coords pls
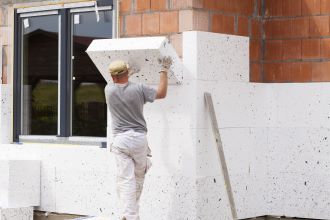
(125, 102)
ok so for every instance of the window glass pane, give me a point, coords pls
(89, 112)
(40, 75)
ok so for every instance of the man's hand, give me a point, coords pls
(166, 64)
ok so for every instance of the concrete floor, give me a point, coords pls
(275, 218)
(56, 216)
(52, 216)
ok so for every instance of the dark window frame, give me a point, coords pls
(65, 69)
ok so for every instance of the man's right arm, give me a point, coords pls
(163, 82)
(162, 87)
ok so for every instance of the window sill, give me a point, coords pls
(74, 140)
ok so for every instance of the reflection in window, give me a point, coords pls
(40, 75)
(89, 112)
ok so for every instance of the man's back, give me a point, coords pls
(125, 102)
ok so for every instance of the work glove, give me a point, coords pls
(166, 63)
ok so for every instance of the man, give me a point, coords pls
(125, 101)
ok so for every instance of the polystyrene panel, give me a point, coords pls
(236, 104)
(177, 110)
(91, 166)
(97, 196)
(308, 195)
(142, 54)
(212, 199)
(217, 56)
(21, 185)
(303, 104)
(168, 197)
(173, 151)
(6, 124)
(22, 213)
(48, 187)
(4, 182)
(303, 149)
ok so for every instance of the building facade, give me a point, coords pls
(53, 108)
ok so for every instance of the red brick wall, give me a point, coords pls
(296, 41)
(289, 39)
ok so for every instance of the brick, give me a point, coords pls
(201, 20)
(10, 16)
(143, 5)
(121, 27)
(150, 24)
(243, 7)
(6, 55)
(310, 7)
(224, 6)
(273, 73)
(5, 33)
(291, 49)
(300, 27)
(255, 50)
(133, 25)
(278, 28)
(125, 5)
(319, 25)
(256, 29)
(291, 8)
(243, 26)
(301, 72)
(196, 3)
(259, 8)
(209, 4)
(158, 5)
(297, 72)
(2, 16)
(286, 70)
(269, 26)
(325, 6)
(320, 72)
(325, 48)
(255, 74)
(4, 76)
(223, 24)
(186, 4)
(286, 29)
(176, 41)
(169, 22)
(193, 20)
(310, 48)
(186, 20)
(273, 50)
(273, 8)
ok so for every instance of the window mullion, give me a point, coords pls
(65, 75)
(17, 78)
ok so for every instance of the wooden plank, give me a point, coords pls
(221, 154)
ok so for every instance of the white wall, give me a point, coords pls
(269, 131)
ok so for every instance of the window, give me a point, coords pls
(58, 91)
(88, 101)
(40, 47)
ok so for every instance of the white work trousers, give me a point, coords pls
(131, 150)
